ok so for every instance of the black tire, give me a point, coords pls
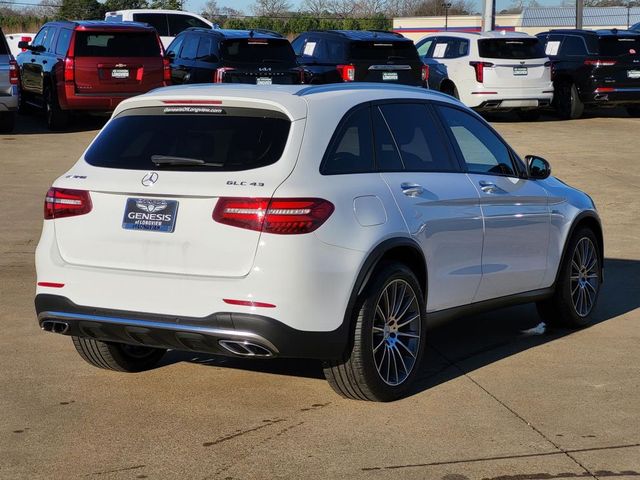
(528, 115)
(567, 101)
(356, 375)
(117, 356)
(7, 122)
(561, 309)
(633, 112)
(57, 119)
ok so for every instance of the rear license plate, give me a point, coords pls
(119, 73)
(264, 81)
(520, 71)
(389, 76)
(150, 214)
(633, 73)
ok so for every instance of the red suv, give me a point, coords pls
(89, 66)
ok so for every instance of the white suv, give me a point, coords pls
(331, 222)
(492, 70)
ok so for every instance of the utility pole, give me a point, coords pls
(489, 15)
(446, 6)
(579, 13)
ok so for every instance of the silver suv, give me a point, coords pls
(8, 87)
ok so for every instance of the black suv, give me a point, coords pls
(334, 56)
(595, 68)
(261, 57)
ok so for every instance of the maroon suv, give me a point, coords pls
(90, 66)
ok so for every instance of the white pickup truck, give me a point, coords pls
(14, 38)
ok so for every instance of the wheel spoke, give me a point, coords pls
(400, 325)
(395, 365)
(405, 334)
(406, 348)
(404, 365)
(382, 342)
(399, 301)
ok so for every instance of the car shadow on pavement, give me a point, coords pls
(468, 343)
(34, 123)
(548, 115)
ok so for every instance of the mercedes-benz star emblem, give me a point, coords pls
(149, 179)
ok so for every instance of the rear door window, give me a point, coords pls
(452, 47)
(64, 38)
(178, 23)
(573, 46)
(207, 51)
(257, 50)
(190, 47)
(47, 41)
(156, 20)
(511, 48)
(351, 150)
(116, 44)
(387, 155)
(227, 139)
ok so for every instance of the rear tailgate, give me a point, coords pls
(516, 63)
(117, 62)
(261, 61)
(386, 61)
(619, 63)
(157, 217)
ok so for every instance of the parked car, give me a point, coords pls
(333, 56)
(199, 55)
(90, 66)
(333, 222)
(598, 68)
(14, 38)
(438, 78)
(9, 81)
(168, 23)
(493, 71)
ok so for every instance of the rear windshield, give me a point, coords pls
(249, 50)
(117, 44)
(617, 46)
(229, 140)
(511, 48)
(378, 51)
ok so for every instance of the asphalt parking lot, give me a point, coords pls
(496, 400)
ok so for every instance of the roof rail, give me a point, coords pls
(336, 87)
(390, 32)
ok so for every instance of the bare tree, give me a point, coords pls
(370, 8)
(316, 7)
(343, 8)
(48, 8)
(270, 8)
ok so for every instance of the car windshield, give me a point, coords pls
(383, 51)
(511, 48)
(258, 50)
(191, 138)
(117, 44)
(614, 46)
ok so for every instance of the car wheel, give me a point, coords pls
(528, 115)
(578, 284)
(7, 122)
(451, 90)
(388, 341)
(633, 112)
(117, 356)
(568, 103)
(57, 119)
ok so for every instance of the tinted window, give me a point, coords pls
(40, 37)
(511, 48)
(258, 50)
(298, 45)
(117, 44)
(573, 46)
(178, 23)
(242, 139)
(376, 51)
(156, 20)
(455, 47)
(206, 49)
(64, 38)
(48, 39)
(424, 46)
(351, 151)
(387, 156)
(617, 46)
(190, 47)
(174, 47)
(481, 149)
(417, 137)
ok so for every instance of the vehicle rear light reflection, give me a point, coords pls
(14, 76)
(64, 202)
(479, 68)
(282, 216)
(50, 284)
(552, 67)
(600, 63)
(604, 90)
(166, 71)
(347, 72)
(248, 303)
(69, 69)
(425, 73)
(219, 73)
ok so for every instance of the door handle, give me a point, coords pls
(33, 59)
(411, 189)
(44, 62)
(488, 187)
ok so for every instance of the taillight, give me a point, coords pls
(552, 68)
(425, 73)
(283, 216)
(347, 72)
(69, 69)
(600, 63)
(64, 202)
(218, 75)
(166, 71)
(25, 39)
(479, 68)
(14, 76)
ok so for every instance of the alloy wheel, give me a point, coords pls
(584, 278)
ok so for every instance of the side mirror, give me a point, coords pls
(537, 167)
(170, 55)
(24, 45)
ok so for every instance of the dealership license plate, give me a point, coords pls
(389, 76)
(520, 71)
(633, 73)
(150, 214)
(264, 81)
(119, 73)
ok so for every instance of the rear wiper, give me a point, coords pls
(171, 160)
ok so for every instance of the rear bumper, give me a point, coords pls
(71, 100)
(614, 97)
(488, 98)
(223, 333)
(9, 102)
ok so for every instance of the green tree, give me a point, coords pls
(167, 4)
(112, 5)
(82, 10)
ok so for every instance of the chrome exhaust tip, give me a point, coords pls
(55, 326)
(244, 348)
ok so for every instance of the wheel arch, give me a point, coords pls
(589, 220)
